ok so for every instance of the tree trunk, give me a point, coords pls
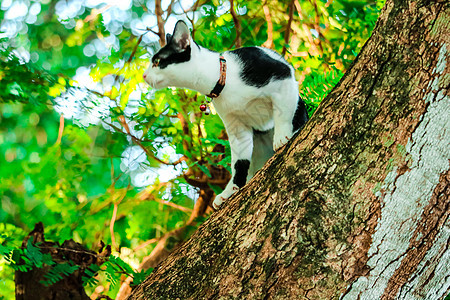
(357, 204)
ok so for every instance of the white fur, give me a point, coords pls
(241, 107)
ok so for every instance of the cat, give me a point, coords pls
(255, 94)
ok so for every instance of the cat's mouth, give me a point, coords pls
(156, 84)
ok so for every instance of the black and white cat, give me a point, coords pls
(258, 101)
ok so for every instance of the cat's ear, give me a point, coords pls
(181, 38)
(168, 38)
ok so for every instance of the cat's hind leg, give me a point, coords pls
(284, 107)
(262, 150)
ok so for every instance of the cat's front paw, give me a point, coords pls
(222, 197)
(280, 142)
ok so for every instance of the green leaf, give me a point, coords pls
(203, 168)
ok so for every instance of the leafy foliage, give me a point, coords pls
(57, 272)
(21, 82)
(126, 164)
(31, 257)
(317, 87)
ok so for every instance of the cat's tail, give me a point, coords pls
(301, 115)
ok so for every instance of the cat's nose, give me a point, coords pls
(145, 76)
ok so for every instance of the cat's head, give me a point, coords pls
(166, 64)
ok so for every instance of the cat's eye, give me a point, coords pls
(156, 62)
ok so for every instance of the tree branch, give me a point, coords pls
(135, 48)
(145, 244)
(138, 142)
(287, 32)
(146, 195)
(169, 9)
(61, 129)
(95, 12)
(317, 23)
(237, 26)
(269, 42)
(114, 216)
(161, 32)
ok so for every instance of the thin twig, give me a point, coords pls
(288, 27)
(135, 48)
(176, 206)
(111, 227)
(96, 12)
(146, 195)
(169, 9)
(145, 244)
(269, 42)
(237, 25)
(114, 216)
(161, 32)
(71, 250)
(193, 8)
(139, 143)
(61, 129)
(317, 23)
(152, 31)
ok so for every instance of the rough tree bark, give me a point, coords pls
(357, 204)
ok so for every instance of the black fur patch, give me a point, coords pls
(259, 68)
(168, 55)
(241, 167)
(301, 115)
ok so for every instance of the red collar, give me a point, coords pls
(221, 82)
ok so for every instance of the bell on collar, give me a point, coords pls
(204, 107)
